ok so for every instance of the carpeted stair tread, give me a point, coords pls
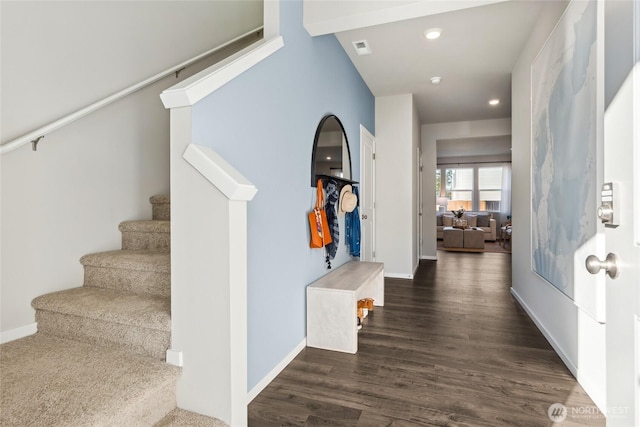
(159, 262)
(181, 418)
(151, 235)
(147, 311)
(51, 381)
(161, 207)
(146, 226)
(160, 199)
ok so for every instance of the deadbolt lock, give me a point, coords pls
(605, 211)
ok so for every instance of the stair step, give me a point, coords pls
(51, 381)
(138, 323)
(161, 207)
(151, 235)
(140, 272)
(182, 418)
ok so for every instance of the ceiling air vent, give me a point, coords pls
(362, 47)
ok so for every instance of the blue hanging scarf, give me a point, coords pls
(352, 225)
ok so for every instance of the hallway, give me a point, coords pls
(451, 347)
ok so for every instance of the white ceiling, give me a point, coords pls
(474, 56)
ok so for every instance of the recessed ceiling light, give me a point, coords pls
(436, 80)
(362, 47)
(433, 33)
(494, 102)
(328, 157)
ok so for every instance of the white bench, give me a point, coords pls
(331, 304)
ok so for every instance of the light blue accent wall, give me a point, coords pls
(263, 123)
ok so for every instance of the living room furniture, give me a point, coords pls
(452, 237)
(332, 301)
(473, 238)
(505, 236)
(482, 220)
(467, 240)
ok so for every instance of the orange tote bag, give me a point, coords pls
(318, 223)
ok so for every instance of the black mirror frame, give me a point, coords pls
(314, 177)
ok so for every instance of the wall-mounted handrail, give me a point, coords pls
(35, 135)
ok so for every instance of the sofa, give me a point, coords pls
(483, 220)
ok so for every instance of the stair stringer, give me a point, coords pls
(209, 277)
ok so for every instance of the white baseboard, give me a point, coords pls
(174, 357)
(565, 359)
(264, 382)
(17, 333)
(398, 276)
(429, 257)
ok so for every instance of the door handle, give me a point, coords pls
(610, 265)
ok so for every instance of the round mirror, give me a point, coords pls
(330, 156)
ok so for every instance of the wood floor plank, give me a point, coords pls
(449, 348)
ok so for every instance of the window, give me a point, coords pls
(459, 188)
(490, 188)
(473, 187)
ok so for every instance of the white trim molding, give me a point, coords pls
(264, 382)
(191, 90)
(220, 173)
(175, 358)
(398, 276)
(17, 333)
(559, 350)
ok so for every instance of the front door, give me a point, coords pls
(622, 169)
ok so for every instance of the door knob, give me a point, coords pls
(594, 265)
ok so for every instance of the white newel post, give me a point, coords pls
(208, 277)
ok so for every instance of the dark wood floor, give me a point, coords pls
(449, 348)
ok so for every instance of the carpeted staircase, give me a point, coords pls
(98, 356)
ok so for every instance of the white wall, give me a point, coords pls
(395, 184)
(578, 339)
(430, 135)
(59, 56)
(67, 199)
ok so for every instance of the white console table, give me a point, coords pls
(331, 304)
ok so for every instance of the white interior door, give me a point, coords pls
(420, 202)
(367, 195)
(622, 169)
